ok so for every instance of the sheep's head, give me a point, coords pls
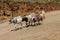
(10, 21)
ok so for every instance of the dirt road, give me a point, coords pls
(49, 30)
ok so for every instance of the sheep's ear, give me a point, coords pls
(10, 22)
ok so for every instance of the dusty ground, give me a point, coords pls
(49, 30)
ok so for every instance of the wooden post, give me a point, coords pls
(12, 13)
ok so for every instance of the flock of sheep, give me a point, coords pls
(33, 18)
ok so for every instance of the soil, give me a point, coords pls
(48, 30)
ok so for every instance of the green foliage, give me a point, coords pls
(55, 1)
(45, 1)
(36, 0)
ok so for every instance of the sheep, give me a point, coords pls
(16, 20)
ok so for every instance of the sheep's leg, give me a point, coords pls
(31, 23)
(21, 25)
(40, 22)
(15, 24)
(34, 21)
(41, 19)
(26, 24)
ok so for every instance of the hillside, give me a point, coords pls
(8, 11)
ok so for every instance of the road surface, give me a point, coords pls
(49, 30)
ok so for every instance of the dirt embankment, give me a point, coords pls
(16, 9)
